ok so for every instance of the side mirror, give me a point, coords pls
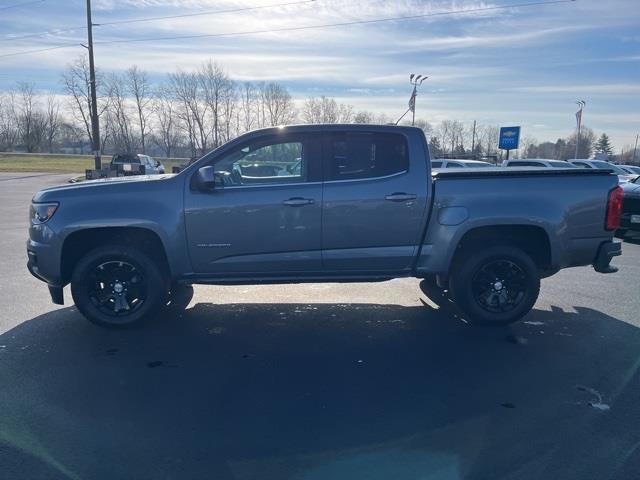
(206, 178)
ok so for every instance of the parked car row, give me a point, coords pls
(625, 173)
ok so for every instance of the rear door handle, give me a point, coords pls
(298, 202)
(400, 197)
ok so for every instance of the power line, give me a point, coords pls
(211, 12)
(23, 4)
(307, 27)
(154, 19)
(339, 24)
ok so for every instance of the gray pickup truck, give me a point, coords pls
(321, 203)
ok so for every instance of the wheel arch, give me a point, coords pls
(534, 240)
(79, 242)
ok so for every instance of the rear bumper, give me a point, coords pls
(606, 252)
(627, 224)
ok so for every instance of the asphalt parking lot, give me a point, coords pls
(355, 381)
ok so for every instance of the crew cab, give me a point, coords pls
(321, 203)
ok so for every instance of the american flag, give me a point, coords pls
(412, 100)
(579, 118)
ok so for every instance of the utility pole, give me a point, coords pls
(473, 139)
(95, 125)
(581, 104)
(635, 147)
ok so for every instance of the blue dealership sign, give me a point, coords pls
(509, 138)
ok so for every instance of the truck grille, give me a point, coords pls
(631, 205)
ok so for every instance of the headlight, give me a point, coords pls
(42, 212)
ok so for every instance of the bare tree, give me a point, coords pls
(364, 116)
(326, 110)
(118, 118)
(138, 87)
(30, 120)
(53, 121)
(8, 121)
(219, 96)
(490, 135)
(77, 84)
(585, 147)
(167, 134)
(276, 105)
(185, 88)
(248, 115)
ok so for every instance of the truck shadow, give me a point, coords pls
(320, 391)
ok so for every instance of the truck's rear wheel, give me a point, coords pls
(117, 286)
(496, 286)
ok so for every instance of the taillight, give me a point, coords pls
(614, 209)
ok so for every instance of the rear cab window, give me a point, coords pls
(361, 155)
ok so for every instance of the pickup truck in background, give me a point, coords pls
(135, 164)
(321, 203)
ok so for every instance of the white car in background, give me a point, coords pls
(537, 162)
(630, 169)
(459, 163)
(623, 176)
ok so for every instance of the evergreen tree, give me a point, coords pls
(603, 145)
(434, 147)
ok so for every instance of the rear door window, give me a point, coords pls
(582, 165)
(355, 155)
(525, 164)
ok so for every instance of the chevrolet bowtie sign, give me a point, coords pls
(509, 138)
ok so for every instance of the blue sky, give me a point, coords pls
(524, 65)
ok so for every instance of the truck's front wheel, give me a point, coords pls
(496, 286)
(117, 286)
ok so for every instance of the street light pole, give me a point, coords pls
(581, 104)
(95, 125)
(415, 80)
(635, 147)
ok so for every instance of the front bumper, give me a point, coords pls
(39, 265)
(606, 252)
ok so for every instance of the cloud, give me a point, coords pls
(593, 89)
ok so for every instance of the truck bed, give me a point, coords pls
(515, 172)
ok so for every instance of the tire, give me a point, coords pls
(480, 285)
(620, 233)
(117, 286)
(179, 297)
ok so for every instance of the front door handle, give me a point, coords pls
(400, 197)
(298, 202)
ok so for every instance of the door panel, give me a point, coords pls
(265, 218)
(373, 220)
(242, 230)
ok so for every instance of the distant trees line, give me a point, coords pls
(192, 112)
